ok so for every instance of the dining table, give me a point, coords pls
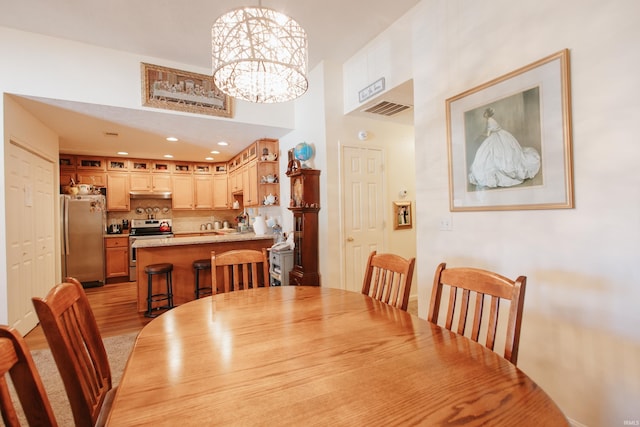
(307, 355)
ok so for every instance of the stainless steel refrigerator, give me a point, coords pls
(82, 230)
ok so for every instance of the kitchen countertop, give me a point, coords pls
(196, 240)
(221, 230)
(116, 234)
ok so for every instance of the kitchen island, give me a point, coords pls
(181, 252)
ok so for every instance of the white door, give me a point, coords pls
(30, 213)
(363, 216)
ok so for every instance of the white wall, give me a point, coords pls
(580, 337)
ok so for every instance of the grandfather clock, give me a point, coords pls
(304, 204)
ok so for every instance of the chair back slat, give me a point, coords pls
(241, 269)
(388, 279)
(479, 284)
(76, 344)
(16, 361)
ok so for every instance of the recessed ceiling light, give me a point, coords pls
(123, 153)
(223, 143)
(172, 138)
(208, 158)
(215, 152)
(168, 156)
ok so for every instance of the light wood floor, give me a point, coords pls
(115, 309)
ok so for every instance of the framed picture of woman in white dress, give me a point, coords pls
(509, 140)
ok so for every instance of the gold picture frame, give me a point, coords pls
(509, 140)
(402, 217)
(178, 90)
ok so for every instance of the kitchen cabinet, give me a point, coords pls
(121, 165)
(250, 153)
(67, 169)
(220, 192)
(150, 182)
(140, 165)
(235, 181)
(96, 164)
(305, 205)
(161, 167)
(97, 179)
(82, 170)
(182, 168)
(116, 257)
(203, 192)
(182, 197)
(117, 191)
(202, 168)
(250, 184)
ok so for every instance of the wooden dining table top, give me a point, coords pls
(297, 355)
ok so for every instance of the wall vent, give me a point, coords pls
(386, 108)
(114, 134)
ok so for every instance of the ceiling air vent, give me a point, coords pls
(112, 134)
(386, 108)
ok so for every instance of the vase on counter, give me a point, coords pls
(259, 225)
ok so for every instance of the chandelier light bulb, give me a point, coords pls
(259, 55)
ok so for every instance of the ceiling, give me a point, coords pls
(336, 30)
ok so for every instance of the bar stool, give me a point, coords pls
(153, 270)
(200, 265)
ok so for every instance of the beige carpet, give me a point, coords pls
(118, 349)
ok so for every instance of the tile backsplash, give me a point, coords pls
(183, 220)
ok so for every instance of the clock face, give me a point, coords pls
(297, 191)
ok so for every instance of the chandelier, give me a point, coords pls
(259, 55)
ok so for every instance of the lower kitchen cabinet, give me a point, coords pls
(116, 257)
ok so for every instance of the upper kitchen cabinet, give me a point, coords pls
(162, 167)
(118, 165)
(96, 164)
(203, 192)
(250, 184)
(67, 169)
(221, 192)
(140, 165)
(183, 197)
(202, 168)
(82, 170)
(150, 182)
(185, 168)
(118, 191)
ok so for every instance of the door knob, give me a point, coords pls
(350, 239)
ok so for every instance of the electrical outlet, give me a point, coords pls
(445, 223)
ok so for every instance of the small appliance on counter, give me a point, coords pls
(114, 229)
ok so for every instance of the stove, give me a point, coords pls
(146, 229)
(151, 227)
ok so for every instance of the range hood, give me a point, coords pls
(150, 195)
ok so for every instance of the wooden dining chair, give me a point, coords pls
(16, 360)
(71, 330)
(465, 282)
(241, 269)
(388, 279)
